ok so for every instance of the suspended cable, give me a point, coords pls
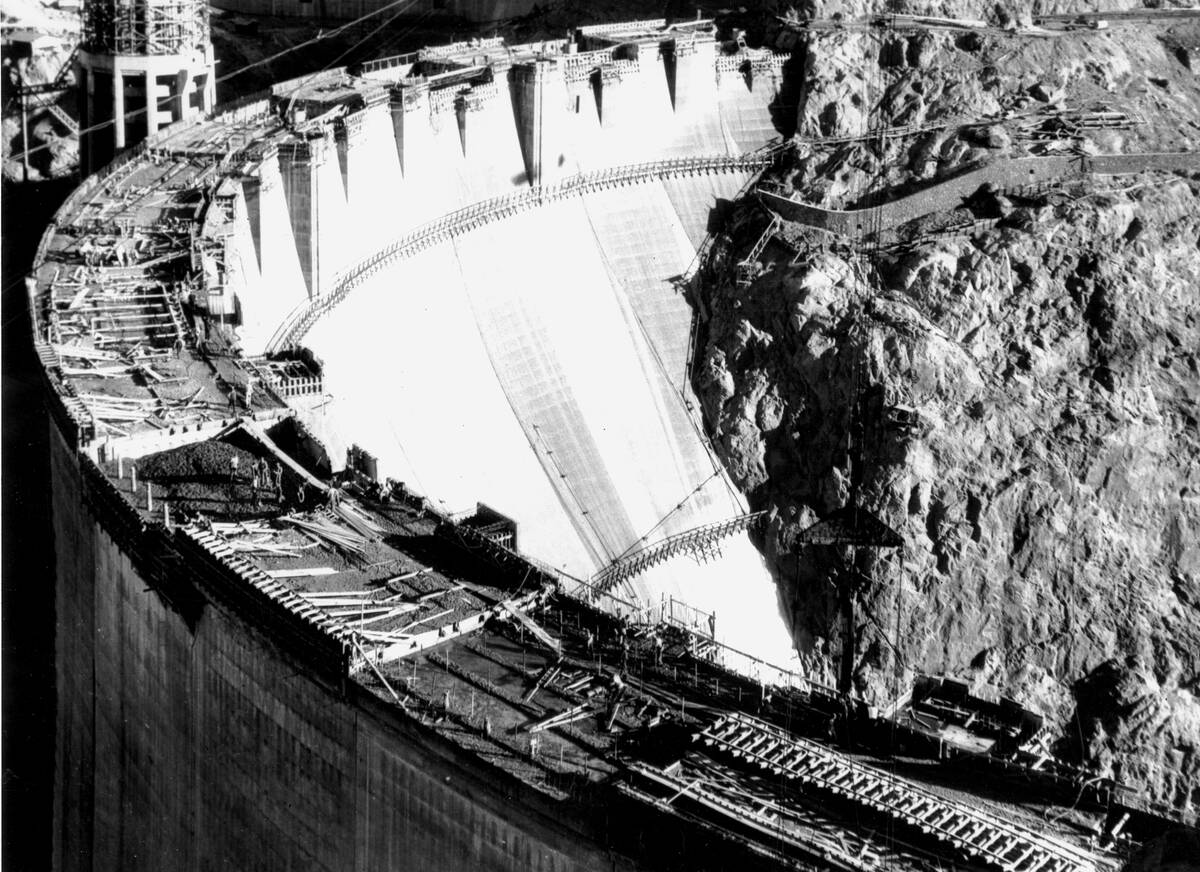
(322, 35)
(664, 518)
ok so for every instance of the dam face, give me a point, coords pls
(486, 246)
(539, 365)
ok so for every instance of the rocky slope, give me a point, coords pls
(1032, 394)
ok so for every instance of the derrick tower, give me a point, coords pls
(142, 65)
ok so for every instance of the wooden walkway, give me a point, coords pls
(485, 212)
(697, 541)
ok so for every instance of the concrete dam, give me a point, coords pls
(522, 626)
(538, 365)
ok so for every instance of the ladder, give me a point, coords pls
(532, 626)
(975, 833)
(745, 269)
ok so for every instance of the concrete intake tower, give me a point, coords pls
(144, 64)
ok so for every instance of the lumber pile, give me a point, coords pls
(325, 531)
(364, 526)
(256, 538)
(155, 411)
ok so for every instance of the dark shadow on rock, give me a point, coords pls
(788, 104)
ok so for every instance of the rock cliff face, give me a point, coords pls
(1032, 404)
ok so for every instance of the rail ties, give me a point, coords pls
(975, 833)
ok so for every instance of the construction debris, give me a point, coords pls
(326, 531)
(301, 573)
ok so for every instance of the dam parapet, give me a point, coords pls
(323, 140)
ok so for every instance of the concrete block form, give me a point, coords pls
(540, 99)
(299, 170)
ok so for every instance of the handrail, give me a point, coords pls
(733, 660)
(391, 61)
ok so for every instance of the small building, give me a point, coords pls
(494, 526)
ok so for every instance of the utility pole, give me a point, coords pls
(846, 598)
(24, 128)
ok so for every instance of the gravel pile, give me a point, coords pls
(200, 478)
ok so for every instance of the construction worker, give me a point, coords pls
(278, 480)
(234, 462)
(250, 394)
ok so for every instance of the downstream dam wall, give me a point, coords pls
(195, 732)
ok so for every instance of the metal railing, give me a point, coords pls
(388, 63)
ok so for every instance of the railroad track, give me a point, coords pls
(972, 832)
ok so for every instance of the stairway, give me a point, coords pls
(745, 268)
(179, 320)
(972, 832)
(700, 542)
